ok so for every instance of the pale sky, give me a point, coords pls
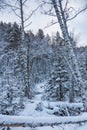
(78, 25)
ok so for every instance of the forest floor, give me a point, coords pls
(39, 108)
(42, 108)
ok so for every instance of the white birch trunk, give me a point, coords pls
(71, 56)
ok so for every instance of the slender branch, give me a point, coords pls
(49, 14)
(15, 12)
(66, 5)
(24, 2)
(51, 24)
(10, 5)
(71, 9)
(28, 25)
(77, 14)
(47, 2)
(16, 2)
(32, 13)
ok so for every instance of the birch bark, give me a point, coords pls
(71, 56)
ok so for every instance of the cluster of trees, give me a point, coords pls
(62, 85)
(60, 56)
(46, 60)
(36, 49)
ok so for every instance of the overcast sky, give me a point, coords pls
(78, 25)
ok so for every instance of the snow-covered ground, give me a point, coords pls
(31, 105)
(37, 108)
(48, 107)
(61, 127)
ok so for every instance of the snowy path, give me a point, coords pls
(30, 110)
(30, 106)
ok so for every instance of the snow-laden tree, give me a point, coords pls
(40, 58)
(18, 7)
(62, 13)
(13, 34)
(40, 34)
(57, 84)
(12, 88)
(1, 30)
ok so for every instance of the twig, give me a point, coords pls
(32, 13)
(51, 24)
(24, 2)
(28, 24)
(79, 12)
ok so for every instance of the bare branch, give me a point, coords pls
(66, 5)
(51, 24)
(16, 2)
(47, 2)
(24, 2)
(11, 6)
(32, 13)
(28, 25)
(15, 12)
(79, 12)
(49, 14)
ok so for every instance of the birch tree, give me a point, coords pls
(62, 15)
(71, 56)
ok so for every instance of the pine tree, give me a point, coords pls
(14, 34)
(59, 76)
(40, 34)
(1, 30)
